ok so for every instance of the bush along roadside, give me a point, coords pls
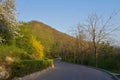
(25, 67)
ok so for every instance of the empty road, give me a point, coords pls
(67, 71)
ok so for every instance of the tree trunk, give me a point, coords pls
(95, 52)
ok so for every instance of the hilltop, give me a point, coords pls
(52, 39)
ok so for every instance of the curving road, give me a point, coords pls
(67, 71)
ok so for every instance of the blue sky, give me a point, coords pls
(62, 14)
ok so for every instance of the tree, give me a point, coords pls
(80, 44)
(24, 42)
(98, 30)
(8, 24)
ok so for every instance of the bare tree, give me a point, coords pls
(80, 45)
(98, 30)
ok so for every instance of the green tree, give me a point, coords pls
(23, 42)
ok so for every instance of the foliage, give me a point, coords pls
(38, 48)
(96, 30)
(8, 24)
(52, 40)
(24, 67)
(109, 58)
(94, 50)
(24, 41)
(14, 52)
(26, 47)
(1, 40)
(29, 43)
(78, 49)
(110, 62)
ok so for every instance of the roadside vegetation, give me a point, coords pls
(92, 45)
(26, 67)
(21, 53)
(80, 47)
(27, 47)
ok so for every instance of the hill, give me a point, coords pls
(52, 39)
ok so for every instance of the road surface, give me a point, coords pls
(67, 71)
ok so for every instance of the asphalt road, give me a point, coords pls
(67, 71)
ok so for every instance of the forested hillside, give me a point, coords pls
(53, 40)
(75, 49)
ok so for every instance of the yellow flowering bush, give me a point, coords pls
(38, 48)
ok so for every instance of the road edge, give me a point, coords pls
(108, 72)
(113, 75)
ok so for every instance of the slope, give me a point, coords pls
(52, 39)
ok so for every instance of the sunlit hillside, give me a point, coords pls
(49, 37)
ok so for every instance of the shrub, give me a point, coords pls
(38, 48)
(110, 62)
(14, 52)
(23, 42)
(25, 67)
(29, 43)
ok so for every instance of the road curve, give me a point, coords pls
(67, 71)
